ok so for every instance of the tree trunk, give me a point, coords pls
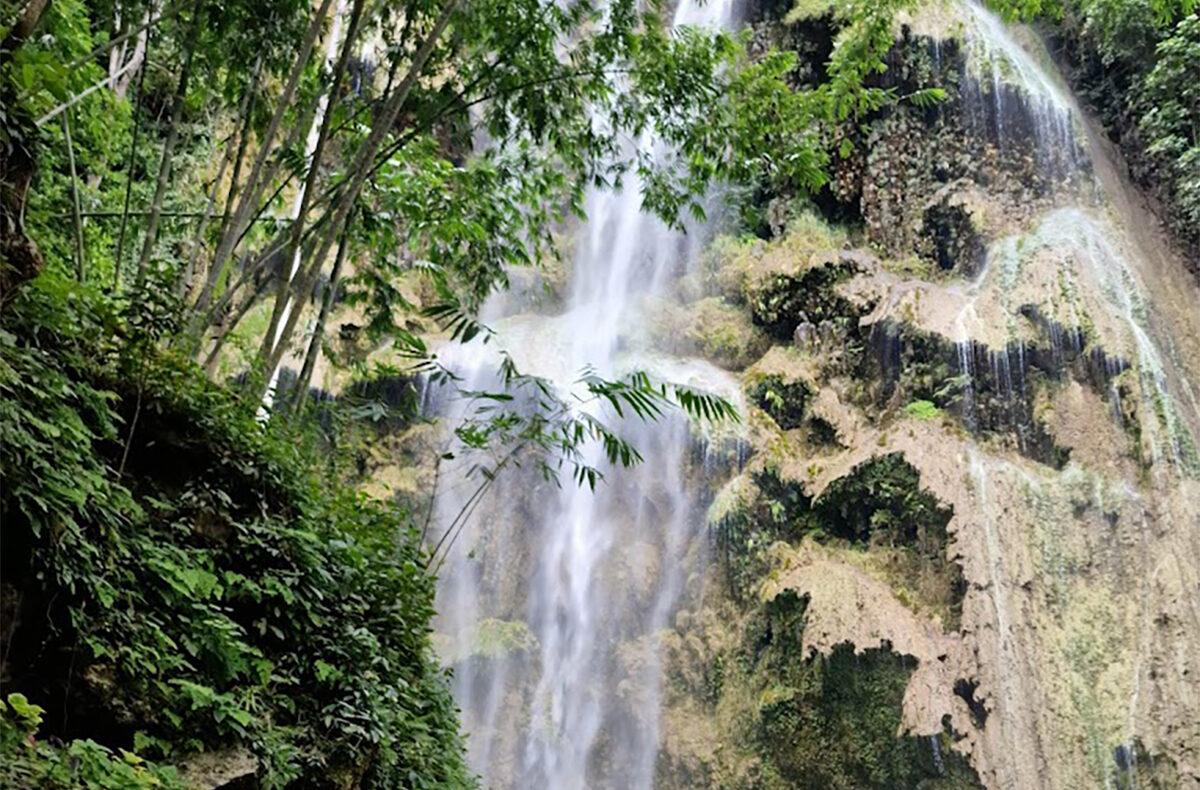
(283, 295)
(78, 218)
(164, 166)
(116, 55)
(253, 189)
(20, 33)
(244, 113)
(120, 81)
(20, 259)
(315, 343)
(362, 167)
(130, 161)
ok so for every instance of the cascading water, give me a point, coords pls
(553, 597)
(1017, 103)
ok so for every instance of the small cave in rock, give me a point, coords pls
(784, 400)
(881, 501)
(783, 302)
(966, 688)
(1135, 768)
(951, 239)
(390, 402)
(821, 432)
(882, 507)
(879, 507)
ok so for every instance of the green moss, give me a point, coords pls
(724, 334)
(494, 638)
(735, 266)
(825, 722)
(781, 301)
(922, 410)
(878, 508)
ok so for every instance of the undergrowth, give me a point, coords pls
(178, 578)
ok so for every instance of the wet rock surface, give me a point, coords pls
(973, 463)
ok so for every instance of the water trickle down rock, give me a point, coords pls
(1069, 351)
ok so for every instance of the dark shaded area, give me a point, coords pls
(1135, 768)
(389, 402)
(880, 506)
(991, 391)
(956, 244)
(966, 689)
(831, 721)
(784, 400)
(783, 302)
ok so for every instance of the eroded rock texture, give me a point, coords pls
(974, 466)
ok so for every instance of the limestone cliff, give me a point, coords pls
(974, 461)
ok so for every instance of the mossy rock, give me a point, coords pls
(724, 334)
(781, 302)
(491, 638)
(786, 401)
(817, 722)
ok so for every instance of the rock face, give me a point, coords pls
(1016, 334)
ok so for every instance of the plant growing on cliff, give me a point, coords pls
(32, 764)
(1135, 60)
(1171, 121)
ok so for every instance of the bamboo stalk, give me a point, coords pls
(78, 219)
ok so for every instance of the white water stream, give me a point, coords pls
(553, 597)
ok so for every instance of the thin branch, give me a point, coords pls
(254, 184)
(314, 345)
(437, 474)
(168, 153)
(182, 214)
(137, 128)
(78, 97)
(468, 508)
(78, 220)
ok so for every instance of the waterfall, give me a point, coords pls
(574, 584)
(1087, 262)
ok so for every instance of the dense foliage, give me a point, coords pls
(190, 192)
(30, 763)
(229, 176)
(185, 580)
(1134, 61)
